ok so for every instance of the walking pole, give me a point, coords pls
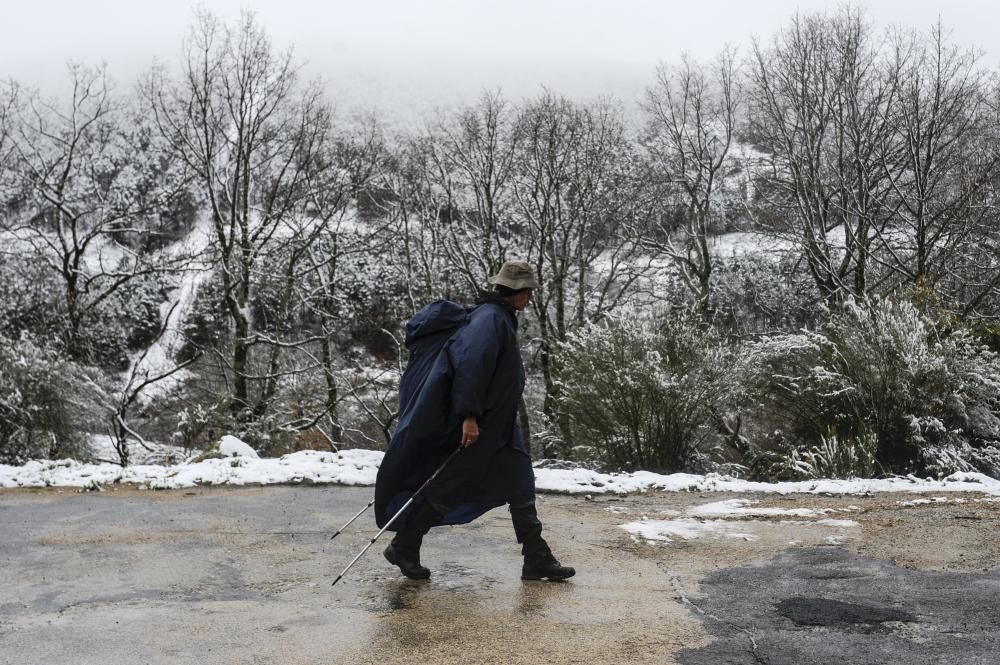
(340, 530)
(398, 513)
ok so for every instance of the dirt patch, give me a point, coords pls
(957, 534)
(950, 532)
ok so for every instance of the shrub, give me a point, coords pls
(643, 396)
(834, 457)
(944, 460)
(877, 369)
(35, 301)
(45, 404)
(755, 293)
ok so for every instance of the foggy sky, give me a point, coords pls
(418, 53)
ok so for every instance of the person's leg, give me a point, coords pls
(539, 563)
(404, 550)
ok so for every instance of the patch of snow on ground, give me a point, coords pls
(730, 521)
(230, 446)
(584, 481)
(358, 467)
(921, 502)
(667, 530)
(740, 508)
(844, 524)
(689, 528)
(348, 467)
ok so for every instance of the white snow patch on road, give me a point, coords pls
(686, 529)
(730, 521)
(666, 531)
(843, 524)
(741, 508)
(933, 499)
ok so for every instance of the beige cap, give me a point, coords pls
(516, 275)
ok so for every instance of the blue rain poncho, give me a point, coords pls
(462, 363)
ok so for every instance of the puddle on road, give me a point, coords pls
(857, 609)
(387, 592)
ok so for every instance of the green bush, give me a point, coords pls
(45, 404)
(834, 457)
(877, 369)
(643, 396)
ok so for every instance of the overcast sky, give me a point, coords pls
(420, 53)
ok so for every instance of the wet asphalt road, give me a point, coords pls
(243, 576)
(825, 605)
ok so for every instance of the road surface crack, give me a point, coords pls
(678, 588)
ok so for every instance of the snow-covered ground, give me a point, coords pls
(349, 467)
(102, 449)
(158, 359)
(586, 481)
(358, 467)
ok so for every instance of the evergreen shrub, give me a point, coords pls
(877, 370)
(644, 396)
(45, 404)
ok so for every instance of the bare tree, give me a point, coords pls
(937, 167)
(8, 101)
(337, 235)
(575, 188)
(451, 204)
(471, 159)
(817, 106)
(8, 186)
(977, 278)
(85, 183)
(250, 135)
(419, 217)
(692, 115)
(139, 379)
(865, 86)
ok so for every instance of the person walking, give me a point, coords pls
(462, 386)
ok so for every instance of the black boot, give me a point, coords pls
(404, 550)
(538, 560)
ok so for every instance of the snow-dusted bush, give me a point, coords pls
(193, 426)
(643, 396)
(34, 300)
(834, 457)
(752, 293)
(942, 461)
(44, 405)
(30, 299)
(877, 369)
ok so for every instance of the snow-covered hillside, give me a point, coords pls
(159, 358)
